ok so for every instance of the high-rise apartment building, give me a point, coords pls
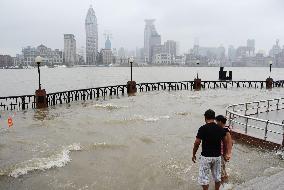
(69, 49)
(170, 47)
(91, 28)
(251, 47)
(151, 39)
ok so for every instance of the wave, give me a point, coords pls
(151, 119)
(105, 145)
(109, 106)
(183, 113)
(57, 160)
(227, 186)
(137, 118)
(178, 95)
(280, 153)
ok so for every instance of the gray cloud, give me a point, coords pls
(214, 22)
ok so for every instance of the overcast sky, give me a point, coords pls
(214, 22)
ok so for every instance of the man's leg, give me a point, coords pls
(216, 172)
(224, 175)
(204, 172)
(205, 187)
(217, 185)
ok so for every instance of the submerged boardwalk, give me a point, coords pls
(264, 182)
(28, 101)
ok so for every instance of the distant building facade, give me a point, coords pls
(106, 57)
(108, 43)
(151, 39)
(170, 47)
(163, 59)
(231, 53)
(251, 47)
(6, 61)
(50, 57)
(70, 55)
(279, 59)
(276, 49)
(91, 28)
(29, 55)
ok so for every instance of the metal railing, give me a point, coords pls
(242, 118)
(28, 101)
(17, 102)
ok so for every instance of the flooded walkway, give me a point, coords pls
(277, 116)
(272, 178)
(141, 142)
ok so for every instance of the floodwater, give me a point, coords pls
(139, 142)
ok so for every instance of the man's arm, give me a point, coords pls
(228, 146)
(195, 148)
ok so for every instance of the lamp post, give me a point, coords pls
(131, 85)
(197, 80)
(270, 67)
(38, 61)
(269, 80)
(131, 60)
(197, 63)
(40, 94)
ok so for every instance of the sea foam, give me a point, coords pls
(151, 119)
(108, 106)
(56, 160)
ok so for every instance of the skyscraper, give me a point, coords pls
(170, 47)
(251, 47)
(91, 37)
(108, 43)
(151, 39)
(69, 49)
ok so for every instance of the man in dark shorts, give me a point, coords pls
(211, 136)
(221, 121)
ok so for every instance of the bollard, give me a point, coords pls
(131, 88)
(269, 83)
(197, 84)
(41, 98)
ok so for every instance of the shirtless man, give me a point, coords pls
(221, 121)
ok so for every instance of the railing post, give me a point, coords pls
(283, 134)
(23, 103)
(266, 130)
(68, 97)
(230, 117)
(226, 113)
(53, 100)
(246, 109)
(246, 129)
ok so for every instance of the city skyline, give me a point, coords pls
(191, 20)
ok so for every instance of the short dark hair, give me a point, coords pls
(221, 118)
(209, 114)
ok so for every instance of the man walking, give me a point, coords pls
(211, 136)
(225, 148)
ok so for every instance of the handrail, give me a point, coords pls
(235, 117)
(28, 101)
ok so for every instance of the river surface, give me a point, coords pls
(140, 142)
